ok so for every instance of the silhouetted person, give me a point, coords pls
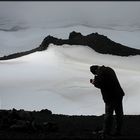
(106, 80)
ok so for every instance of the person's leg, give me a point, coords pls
(119, 116)
(108, 119)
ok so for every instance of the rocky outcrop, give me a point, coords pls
(99, 43)
(21, 120)
(59, 126)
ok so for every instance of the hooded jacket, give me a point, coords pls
(107, 81)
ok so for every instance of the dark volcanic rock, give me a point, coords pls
(57, 126)
(97, 42)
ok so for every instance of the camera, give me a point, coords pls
(91, 80)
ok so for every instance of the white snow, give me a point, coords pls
(58, 79)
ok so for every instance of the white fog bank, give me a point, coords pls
(58, 79)
(60, 14)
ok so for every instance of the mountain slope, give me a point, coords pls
(97, 42)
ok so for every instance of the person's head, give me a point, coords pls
(94, 69)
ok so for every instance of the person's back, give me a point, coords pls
(111, 89)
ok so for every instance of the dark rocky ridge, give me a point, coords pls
(99, 43)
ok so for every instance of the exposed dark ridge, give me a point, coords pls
(16, 55)
(99, 43)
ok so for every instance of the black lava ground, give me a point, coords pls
(71, 127)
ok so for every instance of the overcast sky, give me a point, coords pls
(90, 13)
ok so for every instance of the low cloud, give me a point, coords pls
(59, 13)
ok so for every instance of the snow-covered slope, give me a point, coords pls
(58, 79)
